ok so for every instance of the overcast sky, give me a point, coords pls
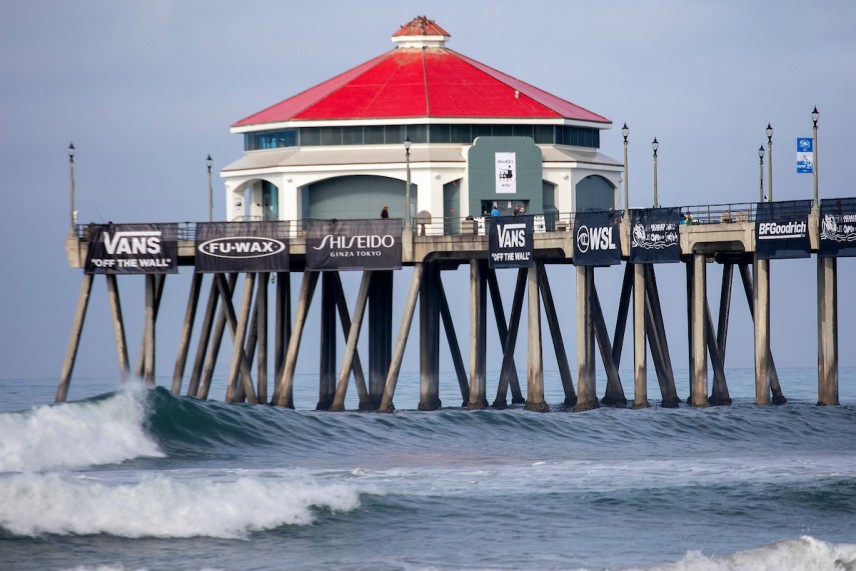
(146, 90)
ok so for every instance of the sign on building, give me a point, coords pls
(242, 247)
(781, 229)
(596, 238)
(805, 155)
(353, 244)
(510, 244)
(654, 235)
(506, 173)
(837, 227)
(132, 249)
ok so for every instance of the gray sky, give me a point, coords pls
(146, 90)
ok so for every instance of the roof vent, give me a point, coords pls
(421, 33)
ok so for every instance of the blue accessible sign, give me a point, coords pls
(805, 155)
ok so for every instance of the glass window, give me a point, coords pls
(310, 136)
(482, 131)
(502, 131)
(352, 135)
(373, 135)
(522, 131)
(461, 134)
(331, 135)
(394, 134)
(439, 134)
(544, 134)
(418, 133)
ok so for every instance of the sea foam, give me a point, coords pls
(78, 434)
(806, 554)
(33, 504)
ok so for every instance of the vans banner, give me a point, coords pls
(510, 242)
(596, 238)
(781, 229)
(353, 244)
(837, 228)
(654, 235)
(132, 249)
(242, 247)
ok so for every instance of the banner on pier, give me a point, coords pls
(654, 235)
(837, 228)
(596, 238)
(510, 243)
(353, 244)
(132, 249)
(781, 229)
(242, 247)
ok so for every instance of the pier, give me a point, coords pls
(721, 234)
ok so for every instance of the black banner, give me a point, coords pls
(132, 249)
(655, 236)
(837, 228)
(241, 247)
(781, 229)
(510, 242)
(353, 244)
(596, 238)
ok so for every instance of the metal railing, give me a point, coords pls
(477, 225)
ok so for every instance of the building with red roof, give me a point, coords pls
(337, 150)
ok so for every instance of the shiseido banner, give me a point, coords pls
(510, 242)
(837, 227)
(654, 236)
(242, 247)
(781, 229)
(596, 239)
(132, 249)
(353, 244)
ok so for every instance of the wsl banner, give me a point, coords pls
(510, 242)
(596, 238)
(654, 235)
(353, 244)
(242, 247)
(132, 249)
(837, 228)
(781, 229)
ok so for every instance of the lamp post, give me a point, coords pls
(655, 145)
(769, 131)
(625, 131)
(209, 161)
(71, 151)
(814, 117)
(407, 225)
(761, 172)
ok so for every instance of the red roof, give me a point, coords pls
(430, 82)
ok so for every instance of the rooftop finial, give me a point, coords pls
(420, 32)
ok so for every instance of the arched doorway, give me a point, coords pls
(594, 193)
(358, 196)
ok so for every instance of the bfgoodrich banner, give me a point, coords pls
(654, 236)
(781, 229)
(132, 249)
(596, 239)
(510, 242)
(353, 244)
(837, 227)
(242, 247)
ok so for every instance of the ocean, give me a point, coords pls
(130, 478)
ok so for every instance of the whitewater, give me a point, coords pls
(131, 478)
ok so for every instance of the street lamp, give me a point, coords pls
(761, 177)
(407, 225)
(814, 117)
(625, 131)
(655, 145)
(71, 151)
(209, 161)
(770, 161)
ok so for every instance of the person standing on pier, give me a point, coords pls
(384, 213)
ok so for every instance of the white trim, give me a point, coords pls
(256, 127)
